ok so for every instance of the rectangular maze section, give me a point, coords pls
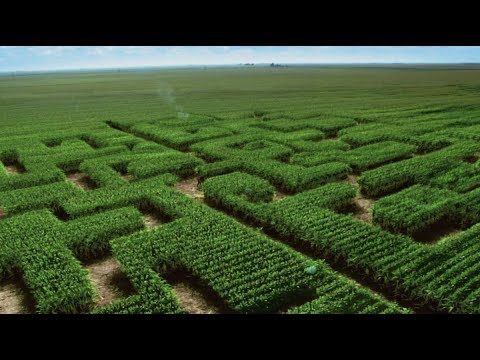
(416, 210)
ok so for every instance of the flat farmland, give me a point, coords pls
(240, 190)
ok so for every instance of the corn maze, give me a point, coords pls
(328, 215)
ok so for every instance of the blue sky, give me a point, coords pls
(28, 58)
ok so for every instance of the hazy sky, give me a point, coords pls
(13, 58)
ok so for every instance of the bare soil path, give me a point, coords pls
(15, 298)
(190, 187)
(81, 180)
(109, 280)
(362, 203)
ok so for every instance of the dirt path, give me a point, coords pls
(192, 300)
(436, 233)
(81, 180)
(14, 169)
(194, 296)
(353, 179)
(15, 299)
(128, 177)
(279, 196)
(363, 209)
(152, 217)
(109, 280)
(363, 204)
(190, 188)
(151, 220)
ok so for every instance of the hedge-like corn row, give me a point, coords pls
(237, 191)
(88, 203)
(360, 158)
(419, 169)
(179, 138)
(54, 276)
(37, 197)
(343, 297)
(321, 146)
(397, 260)
(251, 272)
(326, 124)
(227, 189)
(417, 134)
(414, 209)
(462, 178)
(102, 228)
(167, 162)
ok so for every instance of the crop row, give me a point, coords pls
(397, 260)
(423, 136)
(414, 209)
(251, 272)
(359, 158)
(419, 169)
(45, 250)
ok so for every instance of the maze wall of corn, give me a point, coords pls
(299, 190)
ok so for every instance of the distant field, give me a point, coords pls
(290, 92)
(241, 190)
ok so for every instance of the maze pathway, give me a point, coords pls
(236, 209)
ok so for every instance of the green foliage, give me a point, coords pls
(462, 178)
(414, 209)
(236, 184)
(344, 297)
(246, 133)
(166, 162)
(294, 178)
(419, 169)
(55, 278)
(37, 197)
(102, 199)
(102, 228)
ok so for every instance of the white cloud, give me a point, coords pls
(50, 50)
(136, 50)
(100, 50)
(175, 50)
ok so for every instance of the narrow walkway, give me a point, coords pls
(151, 221)
(81, 180)
(362, 203)
(279, 196)
(15, 298)
(194, 296)
(14, 169)
(190, 187)
(109, 280)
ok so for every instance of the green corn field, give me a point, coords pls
(241, 190)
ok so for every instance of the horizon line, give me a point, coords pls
(235, 64)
